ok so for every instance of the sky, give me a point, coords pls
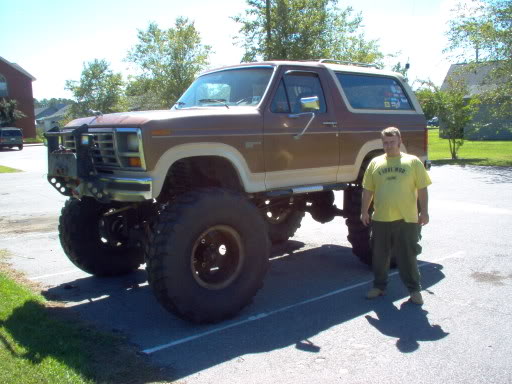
(53, 39)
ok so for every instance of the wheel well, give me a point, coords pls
(200, 172)
(365, 162)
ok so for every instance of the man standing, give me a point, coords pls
(395, 181)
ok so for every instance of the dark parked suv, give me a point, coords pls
(11, 137)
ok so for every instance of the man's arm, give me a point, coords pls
(423, 200)
(365, 206)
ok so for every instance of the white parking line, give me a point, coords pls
(456, 255)
(30, 235)
(54, 274)
(260, 316)
(255, 317)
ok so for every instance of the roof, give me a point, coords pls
(55, 113)
(39, 111)
(325, 63)
(48, 111)
(18, 68)
(475, 76)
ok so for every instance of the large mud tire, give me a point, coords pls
(282, 226)
(79, 233)
(208, 255)
(359, 235)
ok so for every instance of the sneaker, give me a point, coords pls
(416, 298)
(374, 293)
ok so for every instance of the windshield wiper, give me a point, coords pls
(179, 104)
(222, 101)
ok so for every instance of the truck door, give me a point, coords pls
(300, 140)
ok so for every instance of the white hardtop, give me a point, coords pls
(329, 64)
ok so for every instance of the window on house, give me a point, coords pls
(3, 87)
(373, 92)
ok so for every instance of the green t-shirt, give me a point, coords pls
(395, 182)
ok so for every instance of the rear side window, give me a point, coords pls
(10, 133)
(373, 92)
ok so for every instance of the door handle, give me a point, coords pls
(330, 123)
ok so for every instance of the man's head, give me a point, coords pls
(391, 140)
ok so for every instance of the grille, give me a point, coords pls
(109, 148)
(104, 151)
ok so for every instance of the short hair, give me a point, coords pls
(391, 131)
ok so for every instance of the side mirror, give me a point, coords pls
(310, 104)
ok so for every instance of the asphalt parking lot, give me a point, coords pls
(310, 321)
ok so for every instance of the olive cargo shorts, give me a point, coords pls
(400, 240)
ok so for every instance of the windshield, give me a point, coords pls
(231, 87)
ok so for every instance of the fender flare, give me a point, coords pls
(251, 182)
(349, 173)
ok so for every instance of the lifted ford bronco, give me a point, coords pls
(199, 192)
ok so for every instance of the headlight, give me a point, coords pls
(132, 142)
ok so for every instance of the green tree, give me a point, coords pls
(482, 33)
(454, 109)
(51, 102)
(427, 99)
(304, 29)
(99, 89)
(9, 112)
(401, 69)
(168, 62)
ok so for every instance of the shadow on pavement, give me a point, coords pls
(408, 324)
(329, 278)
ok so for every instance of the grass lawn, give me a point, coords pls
(32, 140)
(497, 153)
(4, 169)
(41, 343)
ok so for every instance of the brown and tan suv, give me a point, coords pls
(199, 192)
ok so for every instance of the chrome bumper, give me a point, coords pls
(104, 188)
(127, 189)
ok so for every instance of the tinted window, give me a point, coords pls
(373, 92)
(280, 102)
(10, 133)
(295, 86)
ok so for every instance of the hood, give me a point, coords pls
(139, 119)
(126, 119)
